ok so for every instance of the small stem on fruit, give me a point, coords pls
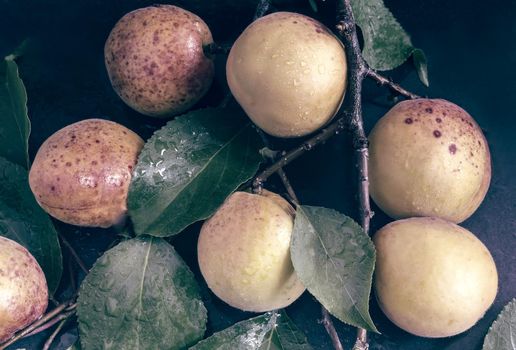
(330, 328)
(74, 254)
(380, 79)
(261, 9)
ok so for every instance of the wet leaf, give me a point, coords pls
(502, 333)
(189, 167)
(15, 126)
(419, 59)
(270, 331)
(334, 259)
(23, 220)
(386, 44)
(313, 5)
(140, 295)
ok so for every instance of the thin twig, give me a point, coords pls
(326, 133)
(54, 334)
(35, 325)
(74, 254)
(52, 322)
(330, 328)
(380, 79)
(288, 186)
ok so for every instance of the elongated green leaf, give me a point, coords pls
(502, 334)
(15, 126)
(386, 44)
(23, 220)
(419, 58)
(270, 331)
(334, 259)
(189, 167)
(140, 295)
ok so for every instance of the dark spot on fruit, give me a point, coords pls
(318, 30)
(408, 121)
(97, 141)
(437, 133)
(68, 164)
(438, 120)
(429, 110)
(295, 22)
(94, 162)
(130, 167)
(144, 23)
(52, 188)
(471, 154)
(452, 148)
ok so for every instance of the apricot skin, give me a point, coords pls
(155, 60)
(244, 252)
(433, 278)
(428, 158)
(23, 288)
(288, 72)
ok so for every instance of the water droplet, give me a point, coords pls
(296, 83)
(303, 63)
(288, 63)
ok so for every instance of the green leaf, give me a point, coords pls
(419, 59)
(140, 295)
(189, 167)
(23, 220)
(286, 335)
(15, 128)
(334, 259)
(502, 334)
(313, 5)
(270, 331)
(386, 44)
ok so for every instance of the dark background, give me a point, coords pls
(471, 49)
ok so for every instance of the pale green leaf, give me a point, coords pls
(334, 259)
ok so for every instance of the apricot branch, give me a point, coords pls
(330, 329)
(371, 73)
(325, 134)
(40, 325)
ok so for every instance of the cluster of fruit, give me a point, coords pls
(428, 159)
